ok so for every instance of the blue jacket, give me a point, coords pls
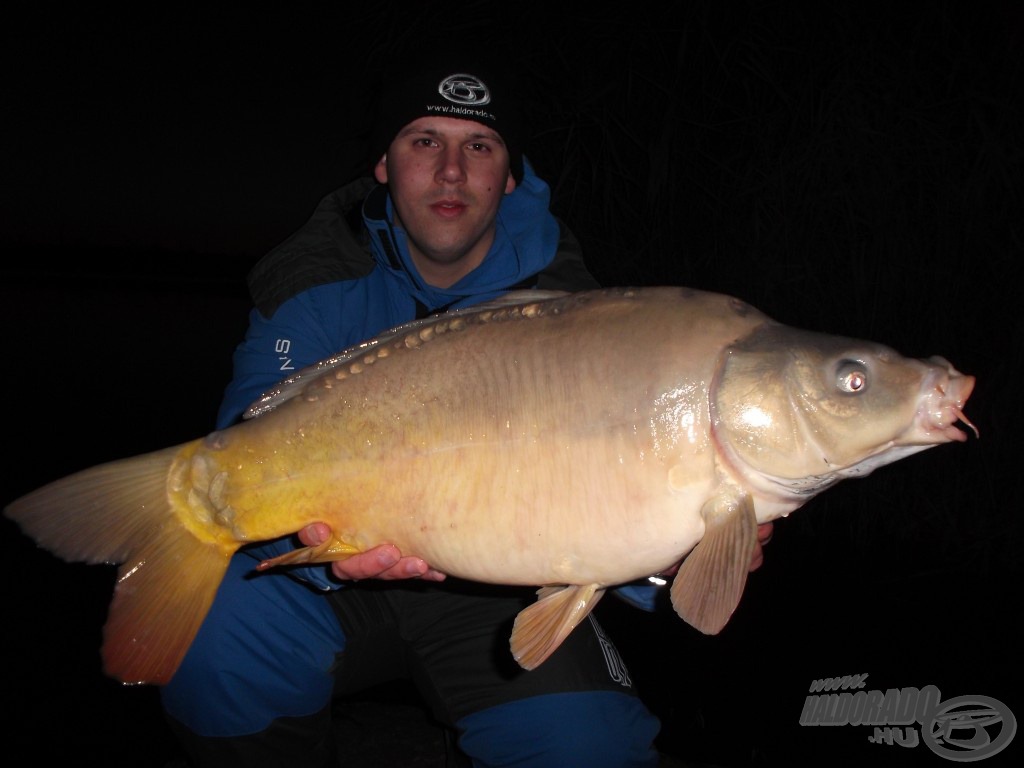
(346, 276)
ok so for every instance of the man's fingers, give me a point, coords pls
(432, 575)
(385, 562)
(368, 565)
(757, 560)
(315, 533)
(764, 535)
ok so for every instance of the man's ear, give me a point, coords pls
(510, 184)
(380, 170)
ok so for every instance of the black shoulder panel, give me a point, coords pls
(331, 246)
(566, 272)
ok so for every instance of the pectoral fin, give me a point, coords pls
(541, 628)
(708, 585)
(327, 552)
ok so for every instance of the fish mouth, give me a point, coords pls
(945, 392)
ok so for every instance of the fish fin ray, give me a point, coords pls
(161, 598)
(121, 512)
(98, 515)
(709, 584)
(513, 299)
(325, 552)
(541, 628)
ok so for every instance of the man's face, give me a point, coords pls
(446, 178)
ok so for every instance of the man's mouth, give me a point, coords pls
(448, 208)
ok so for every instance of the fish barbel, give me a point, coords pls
(569, 441)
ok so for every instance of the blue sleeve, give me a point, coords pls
(273, 349)
(641, 595)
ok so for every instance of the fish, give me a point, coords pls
(573, 442)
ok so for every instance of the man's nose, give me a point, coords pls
(451, 165)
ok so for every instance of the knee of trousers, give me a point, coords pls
(596, 729)
(295, 742)
(266, 650)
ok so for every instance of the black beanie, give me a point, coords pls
(464, 92)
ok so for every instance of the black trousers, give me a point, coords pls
(450, 639)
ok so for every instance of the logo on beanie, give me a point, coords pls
(465, 89)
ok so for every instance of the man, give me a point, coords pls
(456, 217)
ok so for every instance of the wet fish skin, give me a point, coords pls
(573, 442)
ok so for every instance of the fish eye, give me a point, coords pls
(852, 376)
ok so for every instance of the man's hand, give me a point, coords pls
(383, 562)
(764, 535)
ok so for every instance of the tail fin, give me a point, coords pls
(119, 512)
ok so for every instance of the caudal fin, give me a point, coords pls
(119, 512)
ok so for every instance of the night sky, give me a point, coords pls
(850, 170)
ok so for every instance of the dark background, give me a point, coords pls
(849, 168)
